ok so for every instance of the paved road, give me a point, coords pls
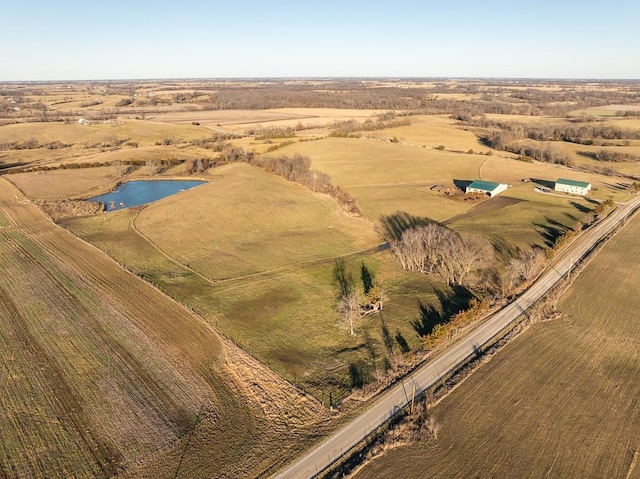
(325, 453)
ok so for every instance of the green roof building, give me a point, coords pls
(486, 187)
(573, 186)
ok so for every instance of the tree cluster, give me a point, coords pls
(352, 303)
(435, 249)
(271, 132)
(297, 168)
(349, 127)
(610, 155)
(200, 165)
(582, 134)
(523, 267)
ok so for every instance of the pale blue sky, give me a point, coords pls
(76, 40)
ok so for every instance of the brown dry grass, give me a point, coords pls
(243, 213)
(387, 177)
(239, 120)
(432, 131)
(253, 254)
(559, 401)
(64, 184)
(102, 372)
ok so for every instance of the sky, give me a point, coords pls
(140, 39)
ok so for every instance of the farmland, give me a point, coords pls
(209, 320)
(100, 370)
(266, 282)
(560, 400)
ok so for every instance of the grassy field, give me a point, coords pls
(265, 277)
(269, 215)
(432, 131)
(239, 120)
(561, 400)
(102, 373)
(266, 282)
(387, 177)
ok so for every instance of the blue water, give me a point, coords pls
(142, 192)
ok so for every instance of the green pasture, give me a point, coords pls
(273, 294)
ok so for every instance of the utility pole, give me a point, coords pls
(569, 272)
(413, 398)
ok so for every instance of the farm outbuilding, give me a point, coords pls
(573, 186)
(487, 187)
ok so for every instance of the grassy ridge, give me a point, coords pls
(229, 224)
(559, 401)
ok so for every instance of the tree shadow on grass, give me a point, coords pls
(397, 223)
(551, 231)
(4, 166)
(573, 218)
(580, 207)
(450, 304)
(505, 251)
(618, 186)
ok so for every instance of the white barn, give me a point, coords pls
(572, 186)
(487, 187)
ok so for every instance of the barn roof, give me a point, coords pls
(581, 184)
(484, 185)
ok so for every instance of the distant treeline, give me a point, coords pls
(384, 121)
(298, 169)
(610, 155)
(588, 134)
(473, 97)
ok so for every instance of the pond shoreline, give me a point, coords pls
(126, 195)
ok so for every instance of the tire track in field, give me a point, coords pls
(258, 276)
(104, 452)
(165, 255)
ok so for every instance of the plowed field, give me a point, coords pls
(102, 374)
(560, 401)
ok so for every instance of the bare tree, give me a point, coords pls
(438, 250)
(350, 309)
(523, 267)
(120, 168)
(348, 303)
(153, 166)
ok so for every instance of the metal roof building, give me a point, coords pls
(487, 187)
(572, 186)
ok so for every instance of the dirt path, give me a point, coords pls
(259, 276)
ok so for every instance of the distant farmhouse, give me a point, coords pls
(487, 187)
(572, 186)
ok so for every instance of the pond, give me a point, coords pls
(142, 192)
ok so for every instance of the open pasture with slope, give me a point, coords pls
(431, 131)
(561, 400)
(246, 221)
(254, 255)
(100, 371)
(53, 144)
(388, 177)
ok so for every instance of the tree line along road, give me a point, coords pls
(384, 408)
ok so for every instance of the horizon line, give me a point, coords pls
(326, 78)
